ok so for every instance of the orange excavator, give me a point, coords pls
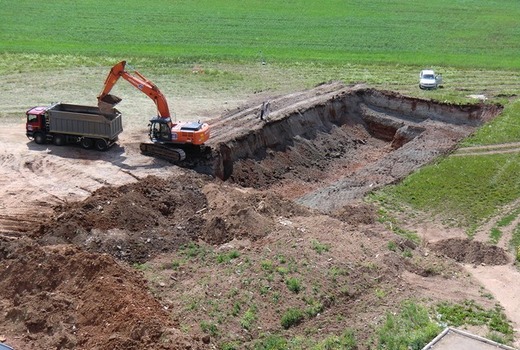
(168, 138)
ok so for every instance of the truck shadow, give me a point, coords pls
(115, 155)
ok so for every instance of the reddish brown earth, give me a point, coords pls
(120, 251)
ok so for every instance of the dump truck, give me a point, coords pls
(63, 123)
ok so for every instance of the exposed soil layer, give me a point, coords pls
(213, 251)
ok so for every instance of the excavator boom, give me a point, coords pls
(105, 100)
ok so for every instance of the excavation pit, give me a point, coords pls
(350, 139)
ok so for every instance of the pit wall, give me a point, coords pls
(385, 115)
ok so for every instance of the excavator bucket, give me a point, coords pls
(107, 103)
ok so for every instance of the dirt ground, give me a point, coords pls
(115, 250)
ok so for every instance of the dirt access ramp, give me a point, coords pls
(335, 143)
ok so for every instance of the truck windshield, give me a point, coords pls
(31, 118)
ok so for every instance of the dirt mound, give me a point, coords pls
(235, 213)
(60, 297)
(471, 252)
(135, 222)
(357, 214)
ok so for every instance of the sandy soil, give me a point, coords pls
(80, 230)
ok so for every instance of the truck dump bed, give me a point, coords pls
(84, 121)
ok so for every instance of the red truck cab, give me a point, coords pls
(36, 123)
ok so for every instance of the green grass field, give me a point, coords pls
(471, 33)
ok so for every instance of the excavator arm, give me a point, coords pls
(162, 131)
(107, 101)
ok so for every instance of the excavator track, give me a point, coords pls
(162, 151)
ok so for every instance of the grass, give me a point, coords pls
(141, 266)
(515, 243)
(509, 218)
(496, 231)
(292, 317)
(386, 218)
(294, 284)
(344, 341)
(314, 307)
(210, 328)
(501, 130)
(411, 328)
(193, 250)
(249, 318)
(267, 266)
(422, 32)
(377, 42)
(227, 257)
(320, 247)
(466, 189)
(223, 84)
(470, 313)
(495, 235)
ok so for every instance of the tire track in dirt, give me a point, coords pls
(501, 148)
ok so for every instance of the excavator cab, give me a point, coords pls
(160, 130)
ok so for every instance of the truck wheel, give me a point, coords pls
(39, 138)
(87, 143)
(101, 145)
(58, 140)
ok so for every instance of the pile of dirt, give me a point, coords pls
(357, 214)
(344, 277)
(137, 221)
(471, 252)
(60, 297)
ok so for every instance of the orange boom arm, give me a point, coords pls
(139, 81)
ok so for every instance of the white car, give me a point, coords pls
(429, 80)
